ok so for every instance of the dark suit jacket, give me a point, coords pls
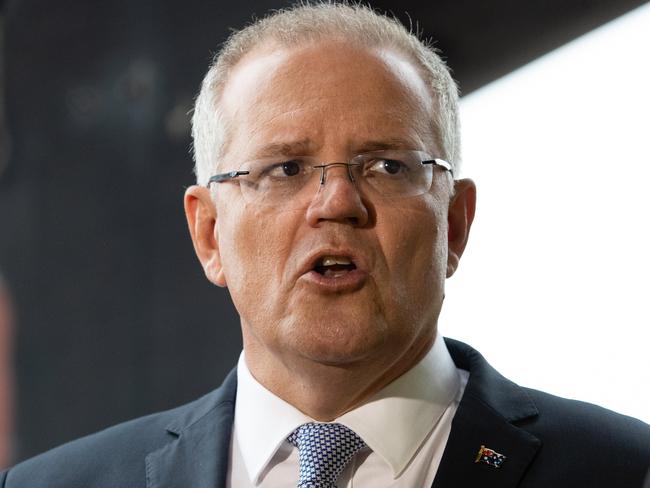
(549, 443)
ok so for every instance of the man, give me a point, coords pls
(326, 145)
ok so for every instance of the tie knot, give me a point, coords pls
(324, 451)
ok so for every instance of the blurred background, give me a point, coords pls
(104, 312)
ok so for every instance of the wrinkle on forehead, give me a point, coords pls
(286, 148)
(313, 83)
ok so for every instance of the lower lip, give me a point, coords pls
(350, 281)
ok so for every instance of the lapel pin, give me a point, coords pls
(490, 457)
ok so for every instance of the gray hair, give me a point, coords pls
(355, 24)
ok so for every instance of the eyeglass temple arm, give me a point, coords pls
(440, 162)
(226, 176)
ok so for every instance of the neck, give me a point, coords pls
(323, 391)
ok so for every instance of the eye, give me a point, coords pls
(285, 169)
(387, 166)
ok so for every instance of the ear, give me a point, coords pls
(461, 215)
(201, 215)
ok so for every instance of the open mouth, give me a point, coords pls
(334, 266)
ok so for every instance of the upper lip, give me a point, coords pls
(317, 255)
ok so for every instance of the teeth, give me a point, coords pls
(332, 260)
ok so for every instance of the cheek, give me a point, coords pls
(416, 236)
(254, 249)
(416, 254)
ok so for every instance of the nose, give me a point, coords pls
(337, 199)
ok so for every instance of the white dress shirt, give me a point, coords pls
(405, 426)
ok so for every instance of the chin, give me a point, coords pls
(338, 340)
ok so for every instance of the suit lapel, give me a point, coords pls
(486, 416)
(198, 455)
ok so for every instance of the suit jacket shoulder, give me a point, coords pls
(600, 447)
(547, 440)
(127, 454)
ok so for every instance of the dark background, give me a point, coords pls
(115, 318)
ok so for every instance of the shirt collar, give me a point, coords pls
(262, 421)
(393, 423)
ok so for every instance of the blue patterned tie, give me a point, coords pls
(324, 450)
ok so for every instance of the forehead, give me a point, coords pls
(331, 95)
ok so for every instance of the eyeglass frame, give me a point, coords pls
(231, 175)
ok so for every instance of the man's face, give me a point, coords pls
(330, 101)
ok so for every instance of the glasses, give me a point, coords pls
(295, 180)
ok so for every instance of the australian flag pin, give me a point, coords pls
(490, 457)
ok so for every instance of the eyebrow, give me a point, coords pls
(306, 146)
